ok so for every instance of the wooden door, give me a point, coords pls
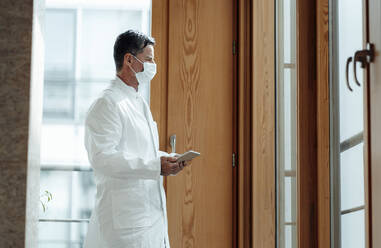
(200, 113)
(374, 124)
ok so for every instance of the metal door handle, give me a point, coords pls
(349, 60)
(365, 57)
(172, 142)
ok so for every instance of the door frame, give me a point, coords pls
(314, 186)
(307, 123)
(327, 31)
(323, 116)
(255, 193)
(263, 114)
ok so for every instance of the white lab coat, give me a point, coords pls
(122, 142)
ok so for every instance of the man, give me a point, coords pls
(122, 142)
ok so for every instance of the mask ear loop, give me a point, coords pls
(132, 69)
(138, 61)
(131, 66)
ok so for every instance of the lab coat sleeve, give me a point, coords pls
(103, 132)
(166, 154)
(163, 154)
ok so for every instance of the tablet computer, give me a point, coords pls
(187, 156)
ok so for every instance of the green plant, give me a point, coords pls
(45, 198)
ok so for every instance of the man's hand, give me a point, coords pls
(169, 166)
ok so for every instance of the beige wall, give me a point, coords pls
(20, 83)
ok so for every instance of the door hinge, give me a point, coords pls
(234, 160)
(234, 47)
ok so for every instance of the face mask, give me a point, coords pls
(149, 71)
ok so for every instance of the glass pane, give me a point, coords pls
(62, 144)
(352, 178)
(290, 237)
(58, 99)
(72, 194)
(350, 40)
(59, 44)
(59, 63)
(287, 30)
(348, 123)
(353, 230)
(287, 111)
(103, 26)
(290, 199)
(62, 235)
(286, 125)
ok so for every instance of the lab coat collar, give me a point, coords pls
(129, 90)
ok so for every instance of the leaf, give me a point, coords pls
(45, 198)
(43, 206)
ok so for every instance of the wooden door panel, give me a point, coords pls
(200, 113)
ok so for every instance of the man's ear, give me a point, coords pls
(128, 58)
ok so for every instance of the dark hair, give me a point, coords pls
(132, 42)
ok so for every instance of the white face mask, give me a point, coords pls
(149, 71)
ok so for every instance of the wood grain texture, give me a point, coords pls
(263, 114)
(200, 113)
(375, 123)
(323, 125)
(159, 85)
(307, 123)
(244, 124)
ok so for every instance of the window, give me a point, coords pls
(347, 125)
(286, 90)
(79, 38)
